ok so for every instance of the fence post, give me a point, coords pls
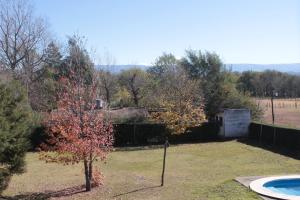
(166, 145)
(273, 118)
(272, 107)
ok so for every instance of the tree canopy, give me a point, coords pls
(218, 85)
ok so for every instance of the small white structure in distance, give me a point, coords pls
(234, 122)
(100, 104)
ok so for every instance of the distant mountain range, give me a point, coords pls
(292, 68)
(119, 68)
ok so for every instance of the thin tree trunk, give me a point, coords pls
(136, 100)
(87, 178)
(107, 96)
(91, 168)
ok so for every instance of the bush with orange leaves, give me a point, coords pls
(181, 102)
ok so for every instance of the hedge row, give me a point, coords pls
(273, 135)
(146, 134)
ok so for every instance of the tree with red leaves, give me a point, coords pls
(76, 131)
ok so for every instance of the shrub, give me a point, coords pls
(37, 137)
(4, 179)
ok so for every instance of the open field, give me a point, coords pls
(195, 171)
(287, 111)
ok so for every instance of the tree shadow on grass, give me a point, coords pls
(47, 194)
(137, 190)
(275, 149)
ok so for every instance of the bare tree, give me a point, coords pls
(135, 81)
(108, 85)
(22, 37)
(107, 81)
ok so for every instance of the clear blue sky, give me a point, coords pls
(137, 31)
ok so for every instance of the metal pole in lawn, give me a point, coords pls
(166, 145)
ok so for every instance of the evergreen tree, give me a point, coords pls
(15, 124)
(52, 55)
(43, 95)
(77, 63)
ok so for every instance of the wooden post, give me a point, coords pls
(166, 145)
(260, 134)
(273, 118)
(272, 106)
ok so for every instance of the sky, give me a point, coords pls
(138, 31)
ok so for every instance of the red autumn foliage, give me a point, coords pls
(78, 132)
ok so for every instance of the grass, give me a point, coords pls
(194, 171)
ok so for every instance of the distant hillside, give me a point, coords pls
(293, 68)
(119, 68)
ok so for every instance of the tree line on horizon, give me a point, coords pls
(270, 82)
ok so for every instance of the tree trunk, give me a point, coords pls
(90, 168)
(87, 177)
(136, 100)
(107, 96)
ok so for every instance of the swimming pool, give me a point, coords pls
(280, 187)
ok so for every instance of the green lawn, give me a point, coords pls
(195, 171)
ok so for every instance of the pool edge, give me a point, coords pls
(257, 186)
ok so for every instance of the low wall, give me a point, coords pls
(275, 135)
(147, 133)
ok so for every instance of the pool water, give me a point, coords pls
(284, 186)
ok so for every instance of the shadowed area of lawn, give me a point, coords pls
(194, 171)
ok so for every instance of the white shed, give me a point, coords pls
(100, 104)
(234, 122)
